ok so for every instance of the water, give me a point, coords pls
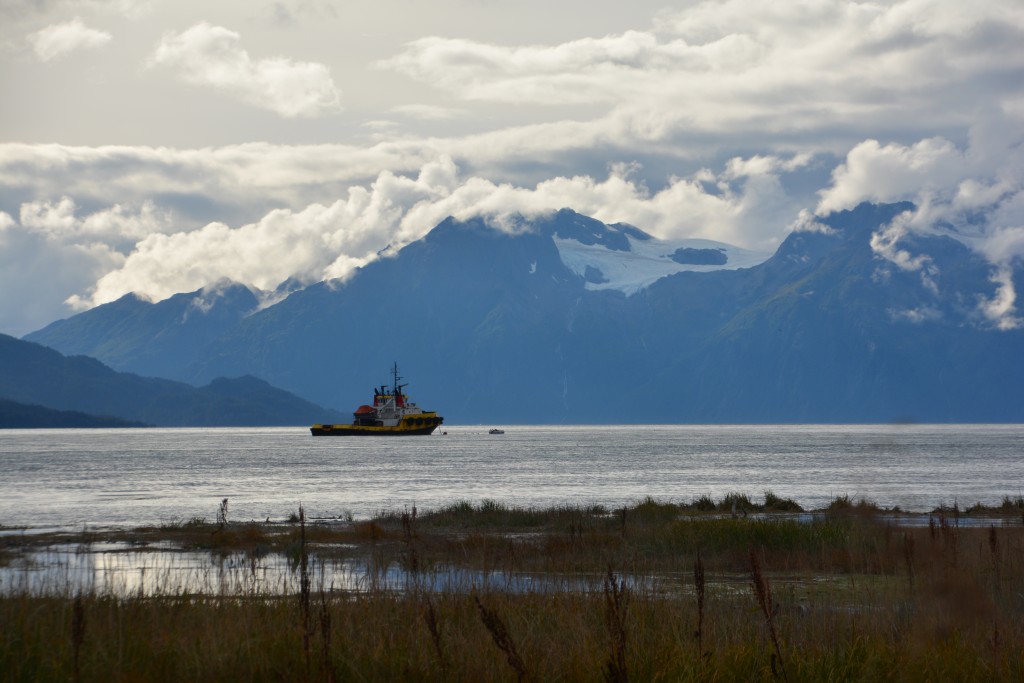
(71, 479)
(119, 569)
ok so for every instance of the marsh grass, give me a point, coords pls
(845, 504)
(616, 598)
(769, 608)
(838, 596)
(1008, 506)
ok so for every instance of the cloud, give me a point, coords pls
(728, 109)
(760, 164)
(949, 184)
(13, 12)
(578, 71)
(974, 194)
(808, 222)
(917, 315)
(427, 112)
(800, 70)
(38, 269)
(318, 242)
(119, 227)
(147, 248)
(212, 56)
(1001, 309)
(235, 179)
(59, 40)
(885, 244)
(51, 252)
(289, 12)
(233, 182)
(328, 241)
(887, 173)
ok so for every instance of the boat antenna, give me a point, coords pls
(394, 372)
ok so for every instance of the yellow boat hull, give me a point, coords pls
(418, 425)
(353, 430)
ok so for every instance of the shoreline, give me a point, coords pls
(492, 592)
(1007, 513)
(46, 556)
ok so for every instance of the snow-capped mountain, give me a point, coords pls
(626, 259)
(567, 319)
(648, 260)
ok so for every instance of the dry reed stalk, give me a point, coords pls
(325, 637)
(304, 584)
(408, 540)
(496, 627)
(575, 535)
(222, 514)
(993, 546)
(698, 583)
(908, 556)
(616, 598)
(949, 540)
(763, 592)
(430, 616)
(77, 634)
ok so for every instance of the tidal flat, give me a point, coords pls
(706, 590)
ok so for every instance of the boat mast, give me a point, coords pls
(399, 400)
(394, 374)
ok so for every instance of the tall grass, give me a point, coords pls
(763, 592)
(839, 597)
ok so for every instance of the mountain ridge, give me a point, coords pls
(493, 325)
(14, 415)
(34, 375)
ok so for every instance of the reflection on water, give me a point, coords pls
(116, 569)
(161, 569)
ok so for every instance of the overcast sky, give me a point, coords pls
(157, 146)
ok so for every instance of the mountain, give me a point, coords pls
(566, 319)
(22, 416)
(134, 335)
(38, 376)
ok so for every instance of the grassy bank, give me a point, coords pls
(697, 591)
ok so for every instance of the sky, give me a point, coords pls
(158, 146)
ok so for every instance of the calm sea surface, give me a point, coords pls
(100, 478)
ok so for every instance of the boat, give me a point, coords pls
(392, 414)
(496, 431)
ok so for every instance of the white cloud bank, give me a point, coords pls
(890, 87)
(975, 195)
(144, 250)
(797, 68)
(38, 269)
(213, 56)
(59, 40)
(150, 252)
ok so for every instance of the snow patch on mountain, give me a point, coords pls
(646, 261)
